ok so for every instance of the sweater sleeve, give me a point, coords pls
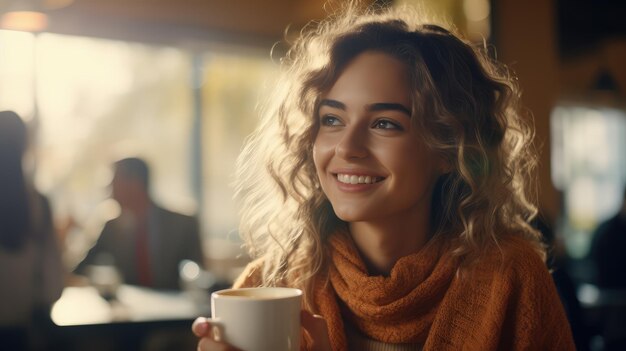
(506, 302)
(535, 318)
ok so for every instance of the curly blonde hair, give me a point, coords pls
(466, 105)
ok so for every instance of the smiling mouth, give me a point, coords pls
(357, 179)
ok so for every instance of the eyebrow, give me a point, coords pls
(377, 106)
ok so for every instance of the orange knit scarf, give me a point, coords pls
(395, 309)
(509, 303)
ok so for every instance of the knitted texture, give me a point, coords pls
(395, 309)
(506, 301)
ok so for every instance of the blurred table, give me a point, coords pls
(137, 319)
(83, 306)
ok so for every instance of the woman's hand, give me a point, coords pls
(204, 330)
(315, 326)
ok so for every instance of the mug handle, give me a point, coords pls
(217, 328)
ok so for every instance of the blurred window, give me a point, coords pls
(91, 101)
(232, 89)
(589, 167)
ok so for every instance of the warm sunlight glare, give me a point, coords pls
(29, 21)
(17, 72)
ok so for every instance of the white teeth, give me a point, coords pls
(355, 179)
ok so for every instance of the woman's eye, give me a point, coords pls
(386, 124)
(330, 121)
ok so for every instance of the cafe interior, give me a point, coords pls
(178, 83)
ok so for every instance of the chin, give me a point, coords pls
(350, 215)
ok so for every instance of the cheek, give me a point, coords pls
(321, 153)
(413, 163)
(397, 156)
(321, 160)
(316, 157)
(318, 162)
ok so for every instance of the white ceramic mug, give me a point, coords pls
(258, 319)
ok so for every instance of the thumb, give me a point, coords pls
(315, 326)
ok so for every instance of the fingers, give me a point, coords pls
(315, 326)
(201, 328)
(208, 344)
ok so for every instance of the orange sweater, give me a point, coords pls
(507, 302)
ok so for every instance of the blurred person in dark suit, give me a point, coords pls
(608, 249)
(566, 287)
(146, 242)
(608, 257)
(31, 271)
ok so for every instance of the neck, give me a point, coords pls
(384, 242)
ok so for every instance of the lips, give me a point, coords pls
(357, 179)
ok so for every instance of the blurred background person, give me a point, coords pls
(145, 243)
(557, 260)
(608, 251)
(607, 255)
(31, 273)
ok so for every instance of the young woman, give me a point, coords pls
(390, 180)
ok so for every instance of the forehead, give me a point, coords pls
(373, 75)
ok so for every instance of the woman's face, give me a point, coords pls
(371, 162)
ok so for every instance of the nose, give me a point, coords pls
(353, 143)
